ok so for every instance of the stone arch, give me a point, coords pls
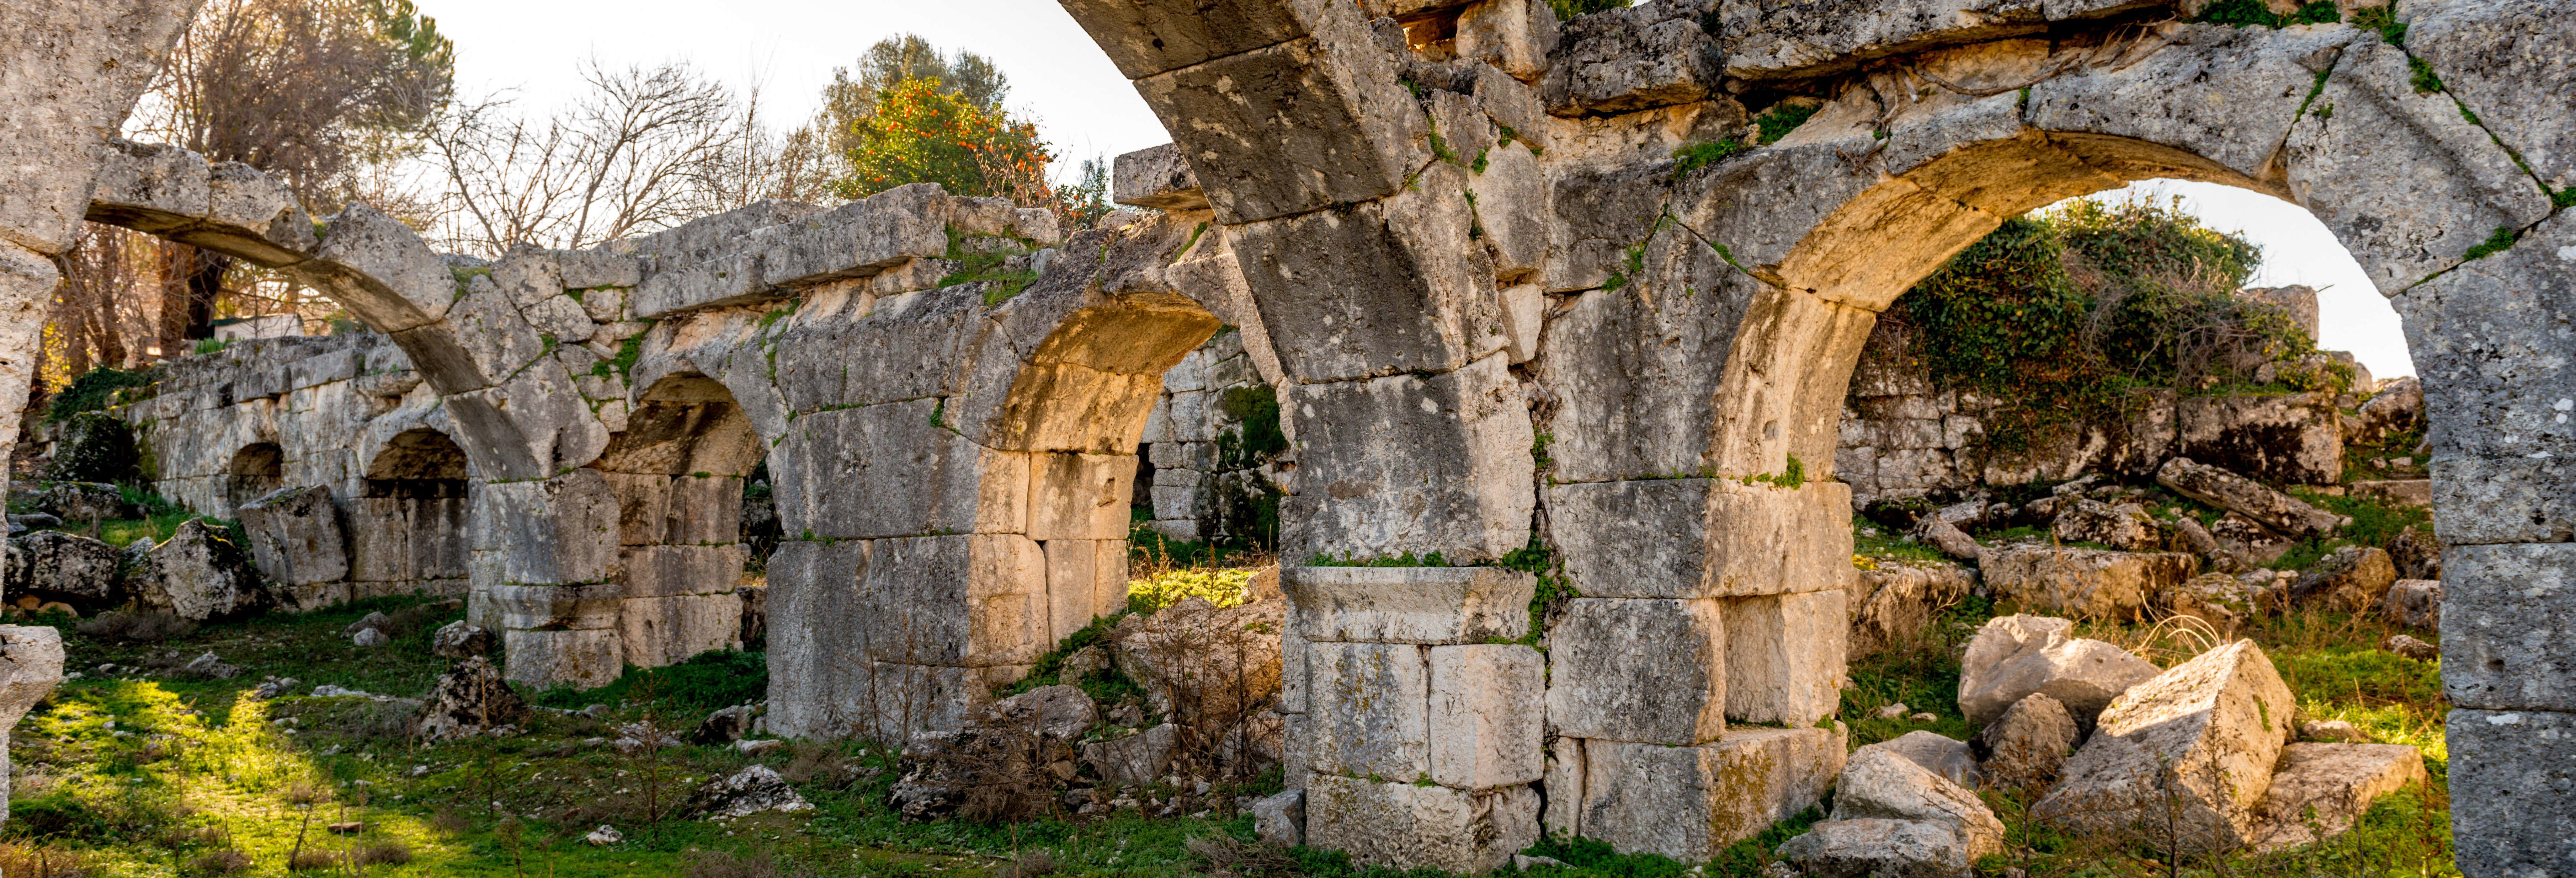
(677, 470)
(408, 521)
(255, 470)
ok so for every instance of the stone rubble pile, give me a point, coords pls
(2209, 749)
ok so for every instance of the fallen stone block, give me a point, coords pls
(1136, 759)
(750, 791)
(470, 699)
(2285, 439)
(1884, 785)
(2236, 493)
(62, 566)
(1895, 602)
(2319, 790)
(2028, 744)
(2015, 656)
(2414, 603)
(2192, 750)
(2351, 578)
(1948, 757)
(2126, 526)
(1875, 847)
(2090, 583)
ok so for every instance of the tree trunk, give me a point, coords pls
(204, 286)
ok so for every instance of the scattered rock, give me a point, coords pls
(744, 793)
(1526, 862)
(468, 700)
(2235, 493)
(2217, 598)
(2015, 656)
(2248, 541)
(2028, 744)
(2411, 648)
(327, 690)
(2414, 603)
(1081, 664)
(1893, 711)
(2319, 790)
(2094, 583)
(93, 447)
(458, 640)
(1884, 784)
(2199, 541)
(376, 621)
(1948, 538)
(2417, 554)
(198, 574)
(724, 726)
(2191, 749)
(370, 637)
(1280, 818)
(636, 737)
(2332, 731)
(1061, 711)
(210, 667)
(84, 502)
(755, 747)
(1925, 717)
(1893, 603)
(1128, 715)
(2125, 526)
(2351, 578)
(604, 836)
(1135, 759)
(1940, 755)
(272, 687)
(1871, 848)
(1002, 766)
(61, 566)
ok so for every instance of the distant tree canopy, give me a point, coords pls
(2060, 313)
(910, 113)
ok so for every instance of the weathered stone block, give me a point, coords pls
(1404, 464)
(557, 530)
(969, 600)
(1077, 496)
(2014, 657)
(834, 467)
(1644, 670)
(1784, 657)
(1370, 709)
(1157, 177)
(657, 631)
(1401, 825)
(1483, 732)
(582, 658)
(1689, 803)
(667, 571)
(2192, 749)
(2514, 799)
(2085, 582)
(2295, 439)
(2227, 95)
(296, 537)
(2509, 627)
(1428, 605)
(1341, 130)
(1768, 39)
(1411, 290)
(1884, 785)
(1627, 60)
(2320, 790)
(856, 240)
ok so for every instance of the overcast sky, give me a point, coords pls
(789, 47)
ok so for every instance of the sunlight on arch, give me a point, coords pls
(2297, 249)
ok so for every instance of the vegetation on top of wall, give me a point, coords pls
(2243, 13)
(2382, 19)
(1701, 155)
(2058, 316)
(1566, 9)
(95, 390)
(1782, 118)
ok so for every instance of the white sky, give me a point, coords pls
(1085, 109)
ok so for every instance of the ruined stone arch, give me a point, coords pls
(255, 470)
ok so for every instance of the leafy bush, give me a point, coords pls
(95, 390)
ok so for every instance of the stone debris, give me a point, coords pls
(199, 573)
(2351, 578)
(1892, 816)
(1893, 711)
(2410, 647)
(750, 791)
(1893, 603)
(1081, 664)
(2014, 656)
(2244, 496)
(2026, 746)
(2222, 600)
(2332, 731)
(1134, 759)
(470, 699)
(1280, 818)
(2194, 745)
(272, 687)
(723, 726)
(1884, 784)
(84, 502)
(1948, 757)
(2414, 603)
(210, 667)
(1875, 847)
(2087, 583)
(757, 746)
(604, 836)
(2126, 526)
(1950, 539)
(373, 620)
(458, 640)
(1203, 665)
(61, 566)
(2319, 790)
(370, 637)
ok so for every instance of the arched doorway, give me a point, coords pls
(254, 471)
(408, 523)
(678, 472)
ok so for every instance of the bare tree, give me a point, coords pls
(644, 149)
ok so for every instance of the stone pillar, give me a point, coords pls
(546, 576)
(1416, 736)
(31, 663)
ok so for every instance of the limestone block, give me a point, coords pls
(2295, 439)
(1135, 760)
(2085, 582)
(2222, 93)
(1772, 39)
(2227, 490)
(559, 318)
(1177, 501)
(1631, 405)
(1426, 605)
(1524, 308)
(2514, 799)
(2498, 57)
(858, 239)
(1629, 60)
(1148, 38)
(1403, 826)
(657, 631)
(1079, 496)
(1639, 670)
(1483, 733)
(1342, 130)
(670, 571)
(2508, 614)
(582, 658)
(1638, 539)
(1876, 846)
(2403, 177)
(1511, 205)
(967, 600)
(728, 279)
(1439, 465)
(155, 189)
(598, 268)
(1784, 657)
(1293, 675)
(2500, 436)
(2026, 746)
(1411, 288)
(904, 701)
(1689, 803)
(588, 606)
(198, 573)
(31, 664)
(1157, 177)
(2126, 526)
(2320, 790)
(63, 566)
(1949, 758)
(2415, 603)
(296, 536)
(557, 530)
(1514, 35)
(2013, 657)
(1073, 584)
(2194, 746)
(1884, 785)
(334, 366)
(407, 285)
(1370, 710)
(2349, 578)
(2400, 493)
(533, 424)
(1893, 603)
(833, 467)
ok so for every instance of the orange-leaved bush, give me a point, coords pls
(920, 135)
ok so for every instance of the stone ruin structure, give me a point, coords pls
(1522, 288)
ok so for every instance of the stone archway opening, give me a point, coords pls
(408, 525)
(255, 470)
(678, 473)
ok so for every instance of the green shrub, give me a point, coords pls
(95, 448)
(95, 390)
